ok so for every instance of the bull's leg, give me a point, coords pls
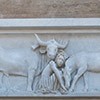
(3, 86)
(85, 76)
(31, 74)
(80, 72)
(1, 80)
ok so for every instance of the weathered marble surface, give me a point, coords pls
(17, 43)
(16, 85)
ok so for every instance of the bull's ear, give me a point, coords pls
(35, 46)
(42, 50)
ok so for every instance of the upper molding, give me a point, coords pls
(51, 22)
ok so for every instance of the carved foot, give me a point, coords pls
(71, 90)
(64, 89)
(53, 92)
(64, 92)
(44, 91)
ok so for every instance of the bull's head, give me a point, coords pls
(52, 46)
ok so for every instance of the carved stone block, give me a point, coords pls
(58, 60)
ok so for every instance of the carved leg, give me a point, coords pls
(58, 75)
(31, 74)
(1, 80)
(55, 84)
(3, 86)
(60, 80)
(77, 76)
(85, 76)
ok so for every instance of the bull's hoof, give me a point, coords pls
(29, 89)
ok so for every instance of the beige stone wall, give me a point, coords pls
(49, 8)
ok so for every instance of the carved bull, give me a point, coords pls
(21, 63)
(13, 62)
(52, 47)
(82, 62)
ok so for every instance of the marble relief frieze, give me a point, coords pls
(50, 64)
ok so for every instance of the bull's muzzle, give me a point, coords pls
(51, 56)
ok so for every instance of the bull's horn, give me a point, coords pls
(63, 46)
(42, 43)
